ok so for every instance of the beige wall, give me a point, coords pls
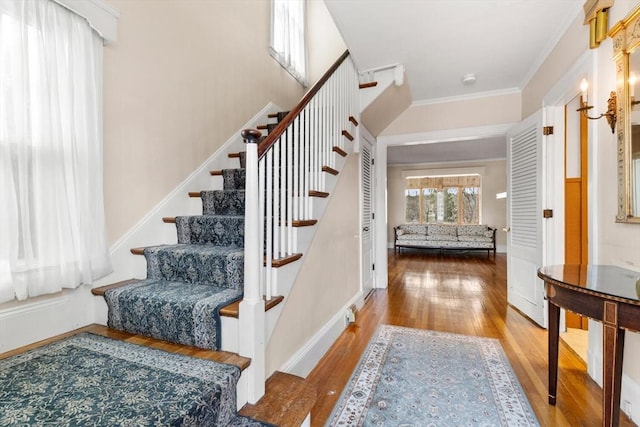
(330, 273)
(571, 46)
(324, 41)
(493, 110)
(180, 81)
(493, 181)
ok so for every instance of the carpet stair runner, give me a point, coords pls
(187, 283)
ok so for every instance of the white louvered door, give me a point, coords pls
(525, 290)
(366, 182)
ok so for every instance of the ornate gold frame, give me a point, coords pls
(626, 39)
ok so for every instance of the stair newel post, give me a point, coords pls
(251, 313)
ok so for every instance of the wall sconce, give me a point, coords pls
(611, 114)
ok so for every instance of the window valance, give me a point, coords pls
(440, 182)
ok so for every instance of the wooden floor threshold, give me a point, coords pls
(233, 309)
(99, 291)
(287, 401)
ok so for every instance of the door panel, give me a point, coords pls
(366, 180)
(525, 290)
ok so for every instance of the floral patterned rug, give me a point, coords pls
(413, 377)
(90, 380)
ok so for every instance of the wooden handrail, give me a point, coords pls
(288, 119)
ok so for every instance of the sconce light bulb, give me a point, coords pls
(584, 86)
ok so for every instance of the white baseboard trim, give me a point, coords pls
(305, 359)
(630, 393)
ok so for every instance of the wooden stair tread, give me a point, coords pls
(169, 219)
(215, 173)
(330, 170)
(280, 262)
(287, 401)
(304, 222)
(233, 309)
(194, 194)
(366, 85)
(347, 135)
(315, 193)
(353, 120)
(102, 289)
(340, 151)
(214, 355)
(234, 155)
(137, 251)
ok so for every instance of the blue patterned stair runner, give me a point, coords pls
(187, 283)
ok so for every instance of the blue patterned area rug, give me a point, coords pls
(413, 377)
(90, 380)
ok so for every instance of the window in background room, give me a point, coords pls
(52, 229)
(288, 41)
(453, 199)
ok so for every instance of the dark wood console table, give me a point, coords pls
(604, 293)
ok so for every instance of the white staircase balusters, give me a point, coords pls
(280, 175)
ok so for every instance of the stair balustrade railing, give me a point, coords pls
(284, 172)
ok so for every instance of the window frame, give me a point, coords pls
(299, 75)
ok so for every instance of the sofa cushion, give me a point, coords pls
(442, 237)
(442, 230)
(413, 229)
(411, 237)
(472, 230)
(475, 239)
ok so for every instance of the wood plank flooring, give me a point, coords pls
(464, 294)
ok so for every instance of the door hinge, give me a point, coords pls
(373, 216)
(547, 130)
(547, 213)
(373, 161)
(373, 267)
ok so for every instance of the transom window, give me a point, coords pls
(453, 199)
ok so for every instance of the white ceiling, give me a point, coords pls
(503, 42)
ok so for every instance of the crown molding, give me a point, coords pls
(477, 95)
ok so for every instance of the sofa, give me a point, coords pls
(445, 237)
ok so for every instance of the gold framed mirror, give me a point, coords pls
(626, 53)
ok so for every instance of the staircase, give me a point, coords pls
(226, 260)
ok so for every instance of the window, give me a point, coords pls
(51, 205)
(288, 41)
(443, 199)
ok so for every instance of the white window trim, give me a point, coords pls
(275, 55)
(101, 16)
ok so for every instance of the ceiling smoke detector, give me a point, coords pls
(468, 79)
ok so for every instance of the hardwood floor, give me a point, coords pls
(463, 294)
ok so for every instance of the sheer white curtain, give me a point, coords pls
(52, 229)
(288, 36)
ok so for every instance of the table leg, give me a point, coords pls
(613, 349)
(554, 332)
